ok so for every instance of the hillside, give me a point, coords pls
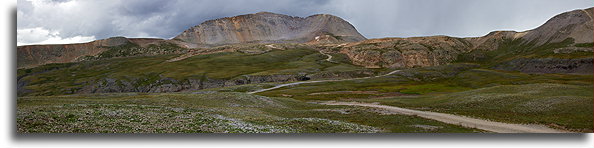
(36, 55)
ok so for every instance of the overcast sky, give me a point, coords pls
(72, 21)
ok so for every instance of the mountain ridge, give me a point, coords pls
(576, 24)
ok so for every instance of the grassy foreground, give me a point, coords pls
(206, 112)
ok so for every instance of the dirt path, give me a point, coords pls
(492, 126)
(319, 81)
(497, 127)
(329, 59)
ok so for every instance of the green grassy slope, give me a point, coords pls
(509, 49)
(56, 79)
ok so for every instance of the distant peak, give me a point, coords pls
(117, 37)
(262, 13)
(265, 12)
(322, 15)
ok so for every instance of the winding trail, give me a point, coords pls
(498, 127)
(329, 59)
(319, 81)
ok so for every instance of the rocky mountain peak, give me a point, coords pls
(267, 27)
(266, 13)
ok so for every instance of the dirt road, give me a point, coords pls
(319, 81)
(329, 59)
(497, 127)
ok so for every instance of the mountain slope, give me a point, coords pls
(577, 25)
(35, 55)
(266, 27)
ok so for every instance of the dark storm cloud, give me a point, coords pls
(60, 21)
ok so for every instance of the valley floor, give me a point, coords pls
(544, 103)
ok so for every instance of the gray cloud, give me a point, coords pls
(58, 21)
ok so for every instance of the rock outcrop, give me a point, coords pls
(405, 52)
(266, 27)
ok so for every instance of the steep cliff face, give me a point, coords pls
(266, 27)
